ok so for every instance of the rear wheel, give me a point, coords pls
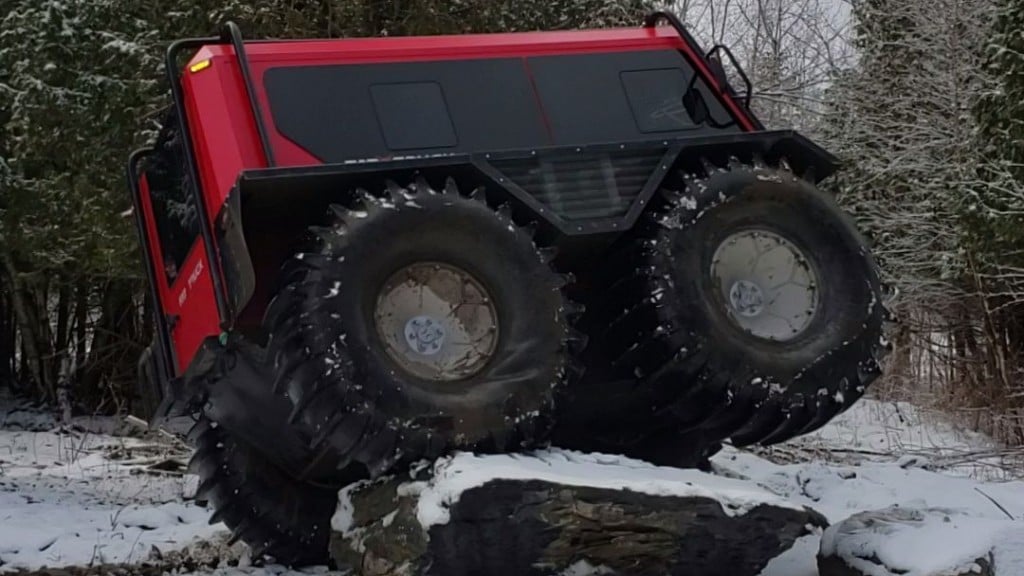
(272, 512)
(750, 309)
(424, 322)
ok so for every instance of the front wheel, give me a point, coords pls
(424, 322)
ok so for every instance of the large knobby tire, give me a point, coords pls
(274, 514)
(346, 328)
(707, 352)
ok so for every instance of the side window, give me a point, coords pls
(413, 115)
(656, 99)
(705, 107)
(672, 99)
(170, 191)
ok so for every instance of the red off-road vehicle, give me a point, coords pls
(369, 252)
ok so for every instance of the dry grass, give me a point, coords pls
(961, 366)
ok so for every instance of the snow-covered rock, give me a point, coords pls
(558, 512)
(910, 542)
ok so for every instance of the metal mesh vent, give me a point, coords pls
(585, 186)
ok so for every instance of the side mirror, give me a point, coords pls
(696, 106)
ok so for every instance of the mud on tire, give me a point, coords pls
(698, 366)
(274, 514)
(344, 328)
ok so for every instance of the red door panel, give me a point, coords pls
(185, 292)
(190, 306)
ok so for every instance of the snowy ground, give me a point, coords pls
(89, 495)
(879, 455)
(86, 496)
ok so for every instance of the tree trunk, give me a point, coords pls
(81, 319)
(107, 368)
(36, 349)
(7, 343)
(65, 372)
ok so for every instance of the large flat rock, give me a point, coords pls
(562, 513)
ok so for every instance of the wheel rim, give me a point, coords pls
(437, 321)
(769, 288)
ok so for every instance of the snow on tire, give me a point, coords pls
(424, 322)
(753, 309)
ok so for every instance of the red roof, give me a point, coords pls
(405, 48)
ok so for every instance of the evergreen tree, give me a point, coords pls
(900, 120)
(930, 124)
(1001, 109)
(992, 212)
(76, 99)
(73, 96)
(994, 209)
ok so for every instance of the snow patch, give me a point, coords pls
(75, 499)
(344, 516)
(463, 471)
(841, 490)
(688, 202)
(912, 542)
(873, 457)
(584, 568)
(799, 560)
(872, 430)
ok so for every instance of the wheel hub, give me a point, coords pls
(768, 287)
(425, 335)
(746, 298)
(436, 321)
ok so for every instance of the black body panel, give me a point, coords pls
(272, 209)
(582, 187)
(511, 174)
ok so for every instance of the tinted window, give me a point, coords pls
(656, 99)
(610, 97)
(170, 193)
(668, 99)
(340, 112)
(413, 115)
